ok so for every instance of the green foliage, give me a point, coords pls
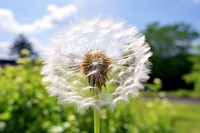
(26, 107)
(171, 45)
(194, 75)
(141, 116)
(182, 93)
(156, 85)
(170, 40)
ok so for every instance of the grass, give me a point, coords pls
(187, 117)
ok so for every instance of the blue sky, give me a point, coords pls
(41, 20)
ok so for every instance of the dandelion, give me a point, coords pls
(97, 63)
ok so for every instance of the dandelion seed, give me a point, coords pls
(97, 56)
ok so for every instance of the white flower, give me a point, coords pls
(100, 56)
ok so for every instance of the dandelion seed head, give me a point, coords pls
(95, 66)
(97, 54)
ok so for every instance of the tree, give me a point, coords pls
(171, 45)
(20, 43)
(194, 75)
(170, 40)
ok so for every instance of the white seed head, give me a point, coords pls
(97, 54)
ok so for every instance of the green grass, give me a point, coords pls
(187, 117)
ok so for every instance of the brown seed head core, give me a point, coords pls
(95, 66)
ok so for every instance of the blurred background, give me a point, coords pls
(169, 104)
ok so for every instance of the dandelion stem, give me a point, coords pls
(96, 121)
(96, 116)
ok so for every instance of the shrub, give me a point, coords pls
(26, 107)
(194, 76)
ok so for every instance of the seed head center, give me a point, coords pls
(95, 66)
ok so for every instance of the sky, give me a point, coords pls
(42, 20)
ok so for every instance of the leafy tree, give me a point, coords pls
(171, 45)
(170, 40)
(194, 75)
(21, 43)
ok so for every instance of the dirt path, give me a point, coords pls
(180, 99)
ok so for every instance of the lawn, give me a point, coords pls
(187, 110)
(187, 117)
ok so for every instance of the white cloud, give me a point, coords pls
(4, 50)
(54, 14)
(39, 47)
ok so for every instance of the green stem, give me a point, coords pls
(96, 116)
(96, 121)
